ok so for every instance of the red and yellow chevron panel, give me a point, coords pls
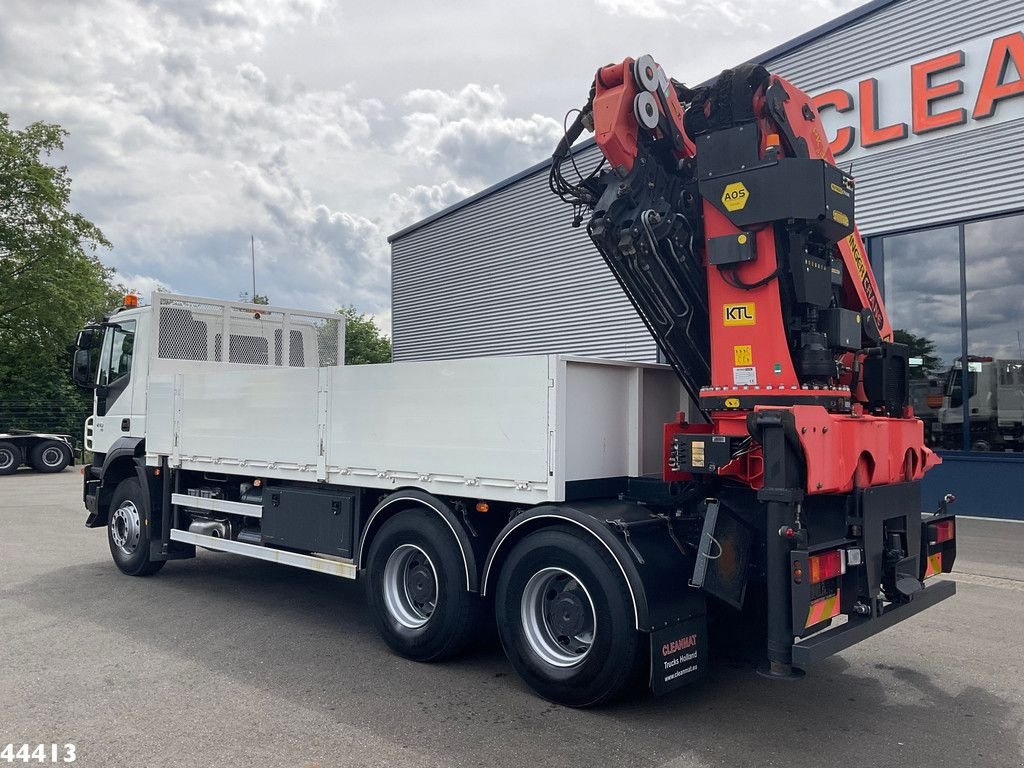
(934, 565)
(822, 608)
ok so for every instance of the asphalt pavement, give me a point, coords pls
(222, 661)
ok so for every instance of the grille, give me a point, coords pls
(194, 329)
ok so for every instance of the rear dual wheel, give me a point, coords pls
(566, 619)
(564, 612)
(416, 586)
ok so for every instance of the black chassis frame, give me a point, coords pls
(646, 524)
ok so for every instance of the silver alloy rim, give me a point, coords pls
(558, 617)
(6, 458)
(52, 456)
(125, 527)
(410, 586)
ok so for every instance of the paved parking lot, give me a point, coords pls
(224, 661)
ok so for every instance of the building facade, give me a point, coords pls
(924, 101)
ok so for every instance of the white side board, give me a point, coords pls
(503, 428)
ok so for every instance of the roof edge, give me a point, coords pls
(827, 28)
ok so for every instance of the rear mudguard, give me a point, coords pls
(655, 569)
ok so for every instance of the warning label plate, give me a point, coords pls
(744, 376)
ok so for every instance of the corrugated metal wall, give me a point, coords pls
(941, 180)
(509, 275)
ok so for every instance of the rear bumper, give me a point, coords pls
(824, 644)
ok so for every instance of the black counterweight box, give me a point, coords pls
(803, 189)
(309, 519)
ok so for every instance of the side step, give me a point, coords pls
(217, 505)
(346, 569)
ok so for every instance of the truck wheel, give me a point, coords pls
(10, 458)
(416, 585)
(565, 618)
(51, 456)
(128, 531)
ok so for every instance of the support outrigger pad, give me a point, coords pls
(777, 670)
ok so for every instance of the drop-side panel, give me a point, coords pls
(503, 428)
(263, 416)
(464, 427)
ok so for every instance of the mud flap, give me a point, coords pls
(679, 655)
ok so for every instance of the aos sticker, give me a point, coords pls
(738, 314)
(735, 196)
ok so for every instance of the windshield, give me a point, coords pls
(954, 386)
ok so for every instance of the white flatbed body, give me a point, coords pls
(513, 429)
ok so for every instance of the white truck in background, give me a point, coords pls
(995, 404)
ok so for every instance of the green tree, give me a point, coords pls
(364, 343)
(259, 298)
(923, 347)
(51, 281)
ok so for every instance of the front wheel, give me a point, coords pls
(416, 586)
(128, 531)
(566, 620)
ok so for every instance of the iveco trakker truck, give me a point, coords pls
(619, 521)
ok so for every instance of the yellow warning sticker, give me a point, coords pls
(743, 355)
(738, 314)
(841, 218)
(732, 402)
(839, 190)
(735, 196)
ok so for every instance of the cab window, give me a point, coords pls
(116, 357)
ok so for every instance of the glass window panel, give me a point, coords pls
(922, 295)
(995, 332)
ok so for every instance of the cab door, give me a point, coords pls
(115, 385)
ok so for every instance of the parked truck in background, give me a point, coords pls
(617, 520)
(995, 404)
(43, 452)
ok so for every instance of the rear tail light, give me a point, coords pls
(827, 565)
(941, 532)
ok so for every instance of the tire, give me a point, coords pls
(416, 586)
(128, 531)
(589, 652)
(10, 458)
(50, 456)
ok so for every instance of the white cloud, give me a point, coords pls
(421, 201)
(468, 133)
(705, 13)
(318, 129)
(141, 285)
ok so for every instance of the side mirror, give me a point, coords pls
(89, 338)
(81, 369)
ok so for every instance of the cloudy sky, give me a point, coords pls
(322, 127)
